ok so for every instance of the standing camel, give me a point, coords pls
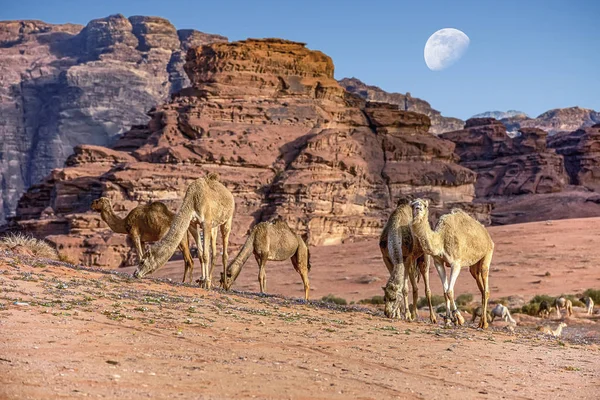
(211, 205)
(144, 224)
(561, 302)
(271, 241)
(400, 253)
(458, 241)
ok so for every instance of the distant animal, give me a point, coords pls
(477, 314)
(589, 304)
(144, 224)
(554, 332)
(562, 302)
(502, 311)
(271, 241)
(458, 241)
(404, 260)
(544, 309)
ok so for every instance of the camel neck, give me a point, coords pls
(116, 223)
(430, 240)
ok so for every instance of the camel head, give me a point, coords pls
(103, 203)
(562, 325)
(147, 265)
(226, 282)
(420, 208)
(391, 300)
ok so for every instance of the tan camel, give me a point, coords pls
(208, 203)
(589, 304)
(502, 312)
(400, 254)
(477, 313)
(144, 224)
(271, 241)
(458, 241)
(560, 303)
(549, 331)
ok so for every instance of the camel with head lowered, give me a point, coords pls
(144, 224)
(404, 259)
(208, 203)
(561, 302)
(271, 241)
(458, 241)
(589, 304)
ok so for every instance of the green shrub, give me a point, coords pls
(441, 309)
(372, 300)
(436, 300)
(464, 299)
(542, 297)
(594, 294)
(330, 298)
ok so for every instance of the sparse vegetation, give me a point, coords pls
(37, 247)
(373, 300)
(594, 294)
(66, 259)
(436, 300)
(464, 299)
(330, 298)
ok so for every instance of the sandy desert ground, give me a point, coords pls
(75, 332)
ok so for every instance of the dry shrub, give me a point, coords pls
(37, 247)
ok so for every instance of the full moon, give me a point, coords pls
(444, 48)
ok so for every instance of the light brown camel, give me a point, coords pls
(144, 224)
(477, 313)
(458, 241)
(271, 241)
(401, 253)
(560, 303)
(208, 203)
(549, 331)
(589, 304)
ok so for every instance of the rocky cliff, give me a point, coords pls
(501, 114)
(283, 135)
(63, 85)
(406, 102)
(556, 120)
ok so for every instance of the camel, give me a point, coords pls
(144, 224)
(548, 331)
(544, 309)
(208, 203)
(400, 254)
(271, 241)
(502, 311)
(458, 241)
(589, 304)
(561, 302)
(477, 313)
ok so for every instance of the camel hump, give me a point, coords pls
(212, 176)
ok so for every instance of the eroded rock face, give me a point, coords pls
(64, 85)
(285, 138)
(406, 102)
(556, 120)
(508, 166)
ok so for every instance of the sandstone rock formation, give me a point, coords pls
(556, 120)
(501, 114)
(406, 102)
(508, 166)
(284, 136)
(63, 85)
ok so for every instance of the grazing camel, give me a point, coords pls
(400, 253)
(589, 304)
(502, 312)
(477, 313)
(458, 241)
(545, 309)
(548, 331)
(211, 205)
(271, 241)
(561, 302)
(144, 224)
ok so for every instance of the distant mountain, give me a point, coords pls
(556, 120)
(439, 124)
(500, 114)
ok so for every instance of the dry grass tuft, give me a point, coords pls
(20, 241)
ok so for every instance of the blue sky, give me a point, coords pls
(526, 55)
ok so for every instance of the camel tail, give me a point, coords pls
(238, 262)
(164, 248)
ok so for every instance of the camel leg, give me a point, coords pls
(439, 266)
(406, 309)
(484, 271)
(225, 232)
(262, 275)
(137, 242)
(300, 265)
(415, 291)
(424, 270)
(206, 241)
(474, 269)
(213, 253)
(456, 317)
(188, 261)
